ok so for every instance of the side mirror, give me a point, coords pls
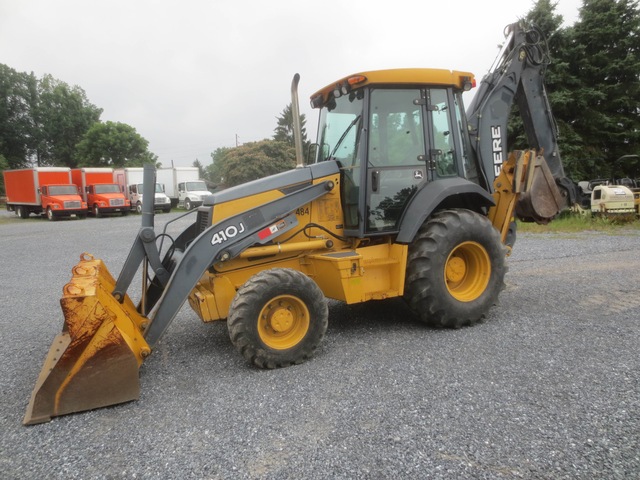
(312, 153)
(324, 152)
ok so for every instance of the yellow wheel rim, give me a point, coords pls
(283, 322)
(467, 271)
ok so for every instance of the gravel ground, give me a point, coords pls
(547, 387)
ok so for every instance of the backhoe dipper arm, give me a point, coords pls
(224, 241)
(517, 74)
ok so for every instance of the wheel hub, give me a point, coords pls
(456, 269)
(284, 322)
(281, 320)
(467, 271)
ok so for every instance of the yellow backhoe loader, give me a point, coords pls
(408, 196)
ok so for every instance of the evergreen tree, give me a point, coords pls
(606, 61)
(196, 163)
(284, 130)
(592, 83)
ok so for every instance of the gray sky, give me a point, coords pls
(190, 75)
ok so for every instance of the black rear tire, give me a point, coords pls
(278, 318)
(455, 269)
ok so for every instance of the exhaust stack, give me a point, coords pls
(297, 126)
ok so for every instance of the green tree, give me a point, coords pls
(252, 161)
(213, 172)
(4, 165)
(284, 129)
(560, 84)
(62, 116)
(200, 167)
(593, 84)
(606, 60)
(18, 139)
(113, 144)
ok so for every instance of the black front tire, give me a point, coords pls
(455, 269)
(278, 318)
(187, 204)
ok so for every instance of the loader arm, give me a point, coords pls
(94, 361)
(224, 241)
(144, 245)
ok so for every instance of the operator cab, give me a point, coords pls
(392, 131)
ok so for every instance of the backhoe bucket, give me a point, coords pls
(541, 199)
(94, 361)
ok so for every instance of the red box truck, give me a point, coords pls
(47, 190)
(98, 190)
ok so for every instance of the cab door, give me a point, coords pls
(413, 139)
(396, 155)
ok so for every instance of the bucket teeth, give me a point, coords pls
(94, 361)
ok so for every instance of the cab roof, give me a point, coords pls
(399, 76)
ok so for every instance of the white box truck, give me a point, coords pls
(130, 181)
(183, 186)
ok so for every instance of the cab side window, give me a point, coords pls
(443, 139)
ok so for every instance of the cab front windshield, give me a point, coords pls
(339, 129)
(159, 188)
(63, 190)
(107, 188)
(196, 186)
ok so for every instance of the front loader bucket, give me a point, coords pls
(94, 361)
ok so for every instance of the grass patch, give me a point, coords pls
(572, 222)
